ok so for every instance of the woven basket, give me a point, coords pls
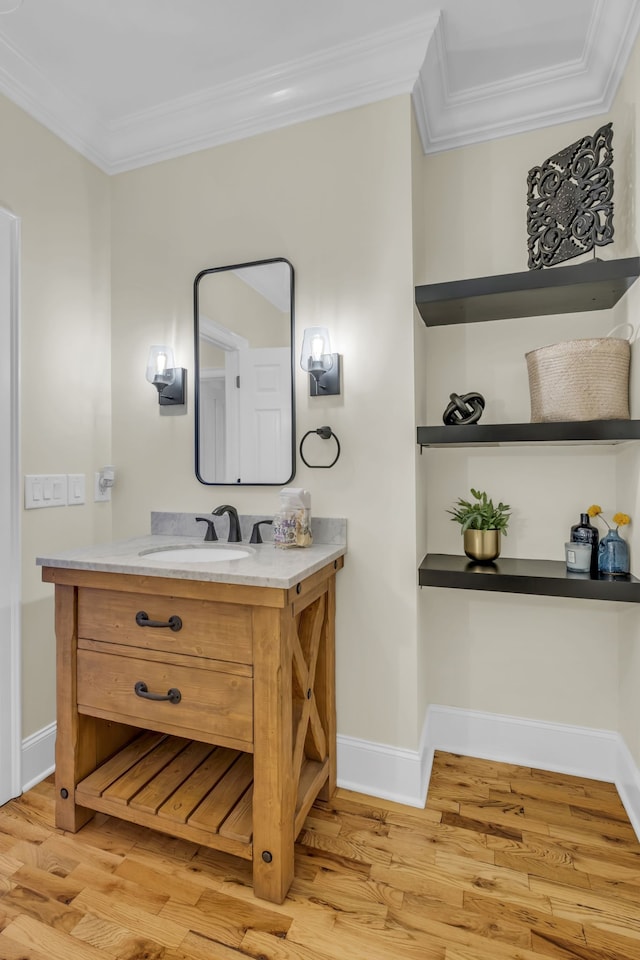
(580, 380)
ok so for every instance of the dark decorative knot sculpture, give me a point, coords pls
(463, 409)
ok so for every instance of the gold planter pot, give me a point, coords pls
(482, 544)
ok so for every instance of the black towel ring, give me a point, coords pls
(325, 433)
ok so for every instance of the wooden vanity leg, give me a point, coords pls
(325, 688)
(273, 790)
(75, 734)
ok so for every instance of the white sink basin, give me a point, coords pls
(214, 553)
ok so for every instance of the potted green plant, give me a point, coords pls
(481, 523)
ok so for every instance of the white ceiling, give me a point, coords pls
(130, 82)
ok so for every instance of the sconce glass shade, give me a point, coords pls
(160, 366)
(170, 381)
(316, 357)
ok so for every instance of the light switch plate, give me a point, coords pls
(45, 490)
(75, 489)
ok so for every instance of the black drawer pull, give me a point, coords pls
(142, 690)
(174, 623)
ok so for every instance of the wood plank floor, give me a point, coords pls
(504, 863)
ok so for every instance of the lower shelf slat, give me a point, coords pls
(189, 789)
(145, 771)
(182, 787)
(183, 830)
(181, 804)
(214, 809)
(312, 778)
(176, 774)
(239, 823)
(97, 782)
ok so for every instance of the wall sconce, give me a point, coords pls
(322, 366)
(168, 379)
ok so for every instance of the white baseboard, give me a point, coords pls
(403, 775)
(559, 747)
(381, 771)
(38, 756)
(628, 783)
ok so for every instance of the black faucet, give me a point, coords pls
(211, 530)
(234, 523)
(256, 536)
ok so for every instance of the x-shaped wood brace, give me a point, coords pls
(309, 739)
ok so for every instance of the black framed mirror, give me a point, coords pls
(244, 382)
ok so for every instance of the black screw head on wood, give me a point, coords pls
(267, 856)
(64, 793)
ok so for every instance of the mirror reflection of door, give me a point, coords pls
(265, 412)
(212, 441)
(244, 374)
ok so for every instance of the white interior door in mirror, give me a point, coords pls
(264, 390)
(212, 442)
(244, 391)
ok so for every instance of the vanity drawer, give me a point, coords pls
(218, 631)
(214, 706)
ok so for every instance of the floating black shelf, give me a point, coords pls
(539, 577)
(594, 285)
(494, 434)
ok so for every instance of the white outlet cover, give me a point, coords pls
(98, 494)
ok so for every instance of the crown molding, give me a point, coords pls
(63, 114)
(349, 75)
(570, 91)
(352, 74)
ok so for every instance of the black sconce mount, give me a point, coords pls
(171, 386)
(325, 383)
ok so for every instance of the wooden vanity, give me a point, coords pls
(202, 709)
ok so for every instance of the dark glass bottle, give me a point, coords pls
(585, 532)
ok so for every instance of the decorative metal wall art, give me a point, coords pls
(570, 201)
(466, 408)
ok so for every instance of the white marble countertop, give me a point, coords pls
(266, 565)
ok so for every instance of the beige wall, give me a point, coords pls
(549, 659)
(420, 229)
(627, 495)
(334, 197)
(63, 202)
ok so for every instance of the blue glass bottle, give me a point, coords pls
(613, 555)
